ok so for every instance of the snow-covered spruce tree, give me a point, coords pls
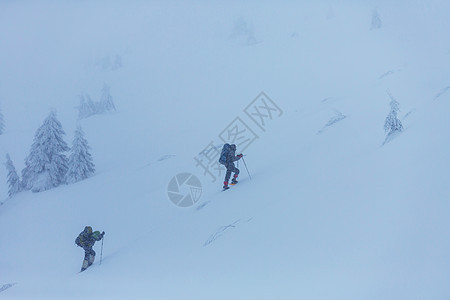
(81, 165)
(376, 20)
(87, 107)
(2, 123)
(12, 177)
(393, 125)
(46, 165)
(106, 103)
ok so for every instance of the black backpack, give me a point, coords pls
(223, 156)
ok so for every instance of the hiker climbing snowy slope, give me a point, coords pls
(227, 158)
(86, 239)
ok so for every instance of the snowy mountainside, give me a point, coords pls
(329, 213)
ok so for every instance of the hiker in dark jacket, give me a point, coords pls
(86, 239)
(231, 157)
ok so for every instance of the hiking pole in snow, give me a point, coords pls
(101, 251)
(246, 168)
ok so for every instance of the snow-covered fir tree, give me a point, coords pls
(87, 107)
(46, 165)
(106, 103)
(81, 165)
(393, 125)
(2, 123)
(376, 20)
(14, 185)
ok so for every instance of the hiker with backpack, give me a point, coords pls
(86, 239)
(227, 158)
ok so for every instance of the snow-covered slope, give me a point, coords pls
(329, 213)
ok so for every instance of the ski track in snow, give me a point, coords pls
(442, 92)
(167, 156)
(202, 205)
(408, 113)
(327, 99)
(338, 117)
(222, 230)
(388, 73)
(6, 286)
(162, 158)
(391, 136)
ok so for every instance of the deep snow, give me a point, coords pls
(330, 212)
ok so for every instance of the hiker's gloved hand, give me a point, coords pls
(240, 155)
(103, 233)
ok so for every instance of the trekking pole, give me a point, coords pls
(246, 168)
(101, 251)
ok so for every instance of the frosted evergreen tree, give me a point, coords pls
(106, 103)
(87, 107)
(13, 179)
(393, 125)
(376, 20)
(46, 165)
(2, 124)
(243, 32)
(91, 104)
(81, 165)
